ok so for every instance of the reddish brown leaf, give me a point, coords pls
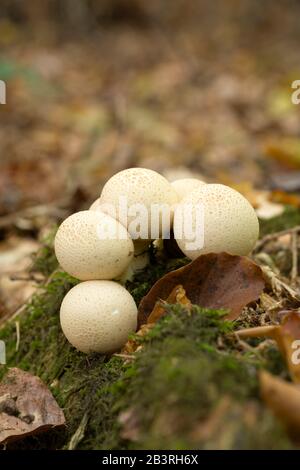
(220, 281)
(283, 398)
(133, 344)
(285, 198)
(26, 407)
(285, 335)
(177, 296)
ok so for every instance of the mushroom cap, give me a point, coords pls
(139, 186)
(98, 316)
(93, 245)
(140, 260)
(95, 205)
(230, 223)
(185, 186)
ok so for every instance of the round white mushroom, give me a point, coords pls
(222, 215)
(139, 262)
(98, 316)
(96, 205)
(184, 186)
(141, 192)
(93, 245)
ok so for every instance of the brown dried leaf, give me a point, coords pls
(26, 407)
(285, 335)
(177, 296)
(283, 398)
(220, 281)
(132, 344)
(284, 198)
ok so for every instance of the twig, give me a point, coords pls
(294, 248)
(79, 433)
(244, 345)
(18, 335)
(256, 332)
(125, 356)
(272, 236)
(35, 277)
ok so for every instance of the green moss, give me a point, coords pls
(44, 261)
(177, 382)
(189, 363)
(144, 280)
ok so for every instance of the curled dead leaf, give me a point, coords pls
(26, 407)
(220, 281)
(177, 296)
(284, 198)
(133, 344)
(283, 398)
(285, 335)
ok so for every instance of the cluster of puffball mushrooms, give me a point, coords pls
(97, 315)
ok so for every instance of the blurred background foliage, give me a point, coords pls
(185, 87)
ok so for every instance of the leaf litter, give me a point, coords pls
(218, 281)
(106, 126)
(27, 407)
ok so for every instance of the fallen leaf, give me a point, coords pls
(283, 398)
(26, 407)
(133, 344)
(177, 296)
(220, 281)
(285, 150)
(283, 198)
(269, 304)
(285, 335)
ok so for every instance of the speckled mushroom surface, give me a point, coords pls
(85, 252)
(96, 205)
(230, 222)
(139, 186)
(98, 316)
(185, 186)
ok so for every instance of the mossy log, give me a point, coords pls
(191, 385)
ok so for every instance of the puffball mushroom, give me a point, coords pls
(93, 245)
(184, 186)
(96, 205)
(142, 187)
(139, 262)
(229, 222)
(98, 316)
